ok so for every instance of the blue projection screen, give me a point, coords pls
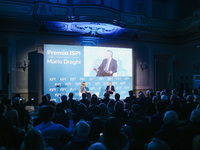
(66, 67)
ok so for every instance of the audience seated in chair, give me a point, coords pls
(80, 140)
(71, 100)
(52, 132)
(84, 100)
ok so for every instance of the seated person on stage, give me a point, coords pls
(110, 88)
(108, 66)
(83, 89)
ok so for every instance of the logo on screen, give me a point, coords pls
(82, 79)
(118, 87)
(105, 83)
(68, 84)
(92, 88)
(127, 78)
(123, 92)
(122, 83)
(52, 89)
(57, 84)
(52, 79)
(77, 84)
(114, 83)
(126, 87)
(88, 83)
(62, 89)
(72, 89)
(72, 79)
(101, 78)
(91, 79)
(57, 94)
(62, 79)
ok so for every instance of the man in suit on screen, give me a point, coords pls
(108, 66)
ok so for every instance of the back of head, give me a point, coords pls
(34, 140)
(82, 108)
(16, 100)
(173, 98)
(119, 107)
(164, 98)
(66, 104)
(64, 98)
(111, 103)
(97, 146)
(173, 91)
(136, 108)
(46, 113)
(112, 126)
(157, 144)
(151, 94)
(195, 116)
(163, 93)
(154, 99)
(104, 109)
(113, 137)
(117, 96)
(76, 103)
(106, 95)
(82, 129)
(48, 96)
(71, 95)
(59, 109)
(130, 93)
(94, 99)
(158, 93)
(84, 95)
(141, 95)
(147, 92)
(190, 98)
(170, 118)
(96, 111)
(44, 99)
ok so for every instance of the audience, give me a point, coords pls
(84, 100)
(52, 132)
(112, 136)
(11, 113)
(106, 98)
(157, 144)
(129, 100)
(191, 130)
(71, 100)
(34, 141)
(96, 124)
(97, 146)
(161, 120)
(169, 131)
(82, 113)
(7, 131)
(80, 140)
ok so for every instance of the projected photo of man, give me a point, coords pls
(108, 66)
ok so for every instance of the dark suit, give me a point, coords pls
(112, 89)
(112, 67)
